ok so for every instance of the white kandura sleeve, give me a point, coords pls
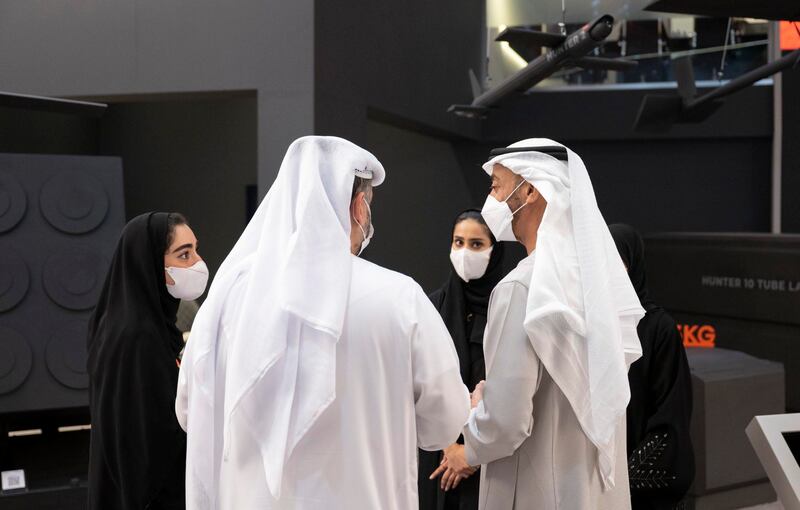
(631, 346)
(182, 396)
(504, 418)
(441, 401)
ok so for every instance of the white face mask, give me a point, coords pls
(367, 235)
(470, 265)
(190, 282)
(498, 216)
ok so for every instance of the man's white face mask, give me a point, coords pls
(366, 235)
(498, 216)
(469, 264)
(190, 282)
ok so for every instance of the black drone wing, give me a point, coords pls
(611, 64)
(529, 42)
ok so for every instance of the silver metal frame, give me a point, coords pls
(766, 436)
(777, 130)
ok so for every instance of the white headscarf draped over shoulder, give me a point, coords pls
(293, 265)
(582, 310)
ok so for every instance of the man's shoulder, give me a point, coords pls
(378, 276)
(520, 275)
(233, 299)
(380, 292)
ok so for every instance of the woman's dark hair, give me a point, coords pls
(173, 220)
(474, 214)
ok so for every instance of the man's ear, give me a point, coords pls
(532, 194)
(357, 207)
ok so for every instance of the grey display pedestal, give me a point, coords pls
(730, 388)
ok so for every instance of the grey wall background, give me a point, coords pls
(191, 156)
(408, 58)
(123, 50)
(385, 73)
(414, 209)
(46, 133)
(101, 48)
(194, 154)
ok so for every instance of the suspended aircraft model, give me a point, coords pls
(567, 51)
(660, 112)
(51, 104)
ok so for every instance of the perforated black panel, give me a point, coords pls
(60, 217)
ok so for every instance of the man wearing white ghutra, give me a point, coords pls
(561, 333)
(312, 376)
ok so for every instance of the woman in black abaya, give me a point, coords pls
(660, 456)
(137, 447)
(463, 302)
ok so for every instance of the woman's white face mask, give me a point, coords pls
(190, 282)
(469, 264)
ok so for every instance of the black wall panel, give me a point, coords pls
(682, 185)
(60, 217)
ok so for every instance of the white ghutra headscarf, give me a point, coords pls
(579, 284)
(294, 263)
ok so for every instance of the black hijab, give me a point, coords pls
(457, 299)
(476, 292)
(660, 455)
(631, 248)
(463, 307)
(137, 447)
(135, 287)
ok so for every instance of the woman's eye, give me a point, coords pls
(184, 256)
(477, 245)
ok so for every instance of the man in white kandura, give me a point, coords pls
(549, 431)
(312, 376)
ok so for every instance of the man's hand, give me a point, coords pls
(453, 468)
(477, 394)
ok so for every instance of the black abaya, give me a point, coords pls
(463, 307)
(137, 457)
(660, 456)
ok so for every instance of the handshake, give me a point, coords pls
(454, 467)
